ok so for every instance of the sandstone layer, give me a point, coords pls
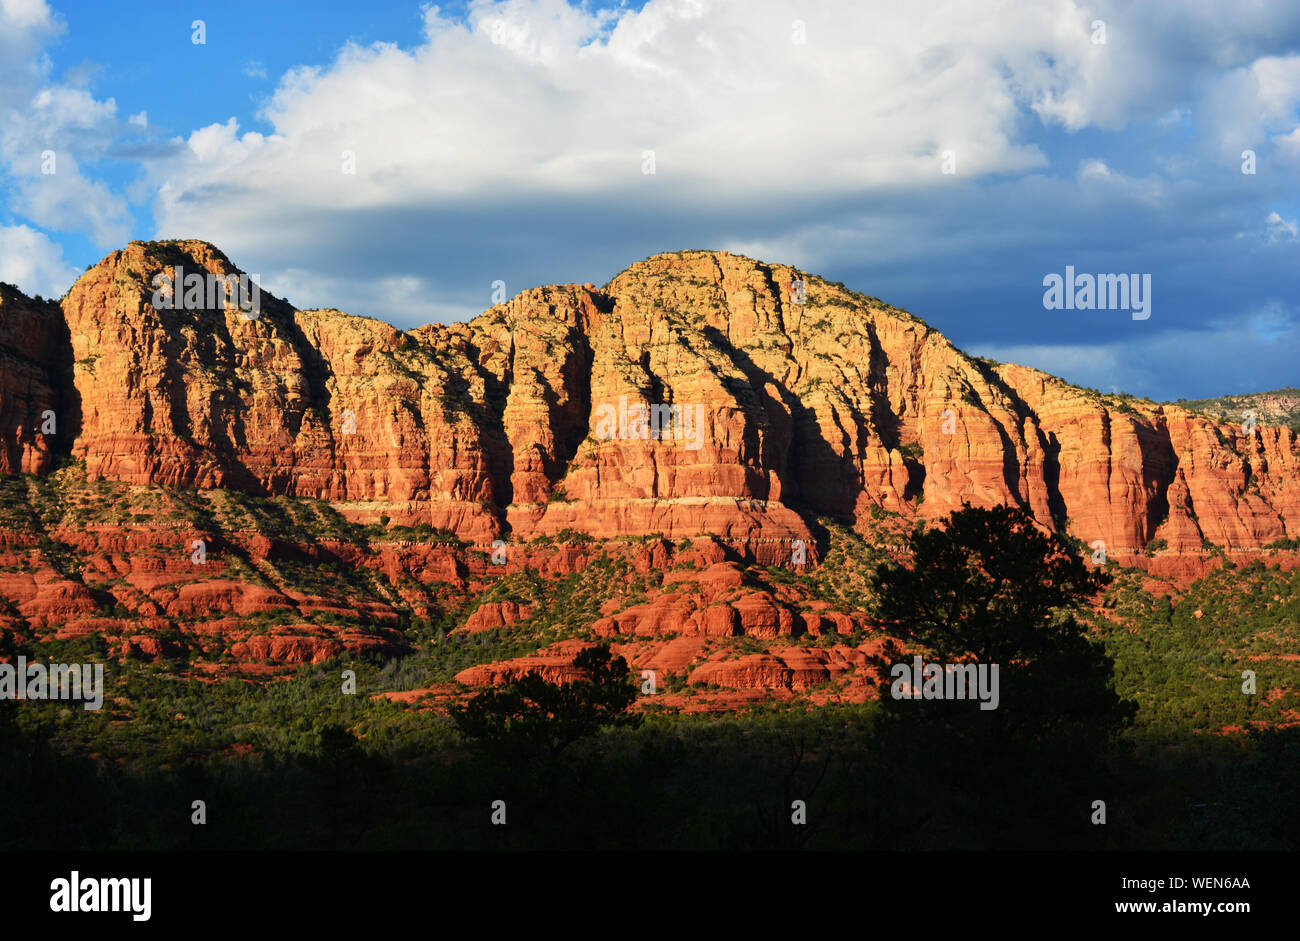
(525, 420)
(696, 411)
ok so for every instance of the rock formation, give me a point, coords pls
(695, 397)
(525, 420)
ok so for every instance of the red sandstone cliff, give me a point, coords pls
(494, 428)
(524, 424)
(38, 409)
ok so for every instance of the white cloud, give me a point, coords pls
(1288, 145)
(29, 260)
(1254, 105)
(69, 201)
(38, 116)
(1278, 229)
(566, 102)
(25, 26)
(1095, 173)
(25, 14)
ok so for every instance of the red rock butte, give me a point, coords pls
(835, 405)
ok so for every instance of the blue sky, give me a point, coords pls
(509, 141)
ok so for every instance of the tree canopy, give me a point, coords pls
(532, 716)
(988, 585)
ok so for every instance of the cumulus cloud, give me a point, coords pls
(526, 105)
(29, 260)
(49, 130)
(1278, 229)
(1095, 176)
(526, 98)
(25, 26)
(1254, 106)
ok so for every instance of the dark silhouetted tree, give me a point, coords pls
(533, 717)
(987, 585)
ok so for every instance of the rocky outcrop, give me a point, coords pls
(690, 396)
(497, 614)
(38, 407)
(553, 664)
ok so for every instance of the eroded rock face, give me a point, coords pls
(497, 614)
(553, 664)
(690, 410)
(529, 419)
(38, 412)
